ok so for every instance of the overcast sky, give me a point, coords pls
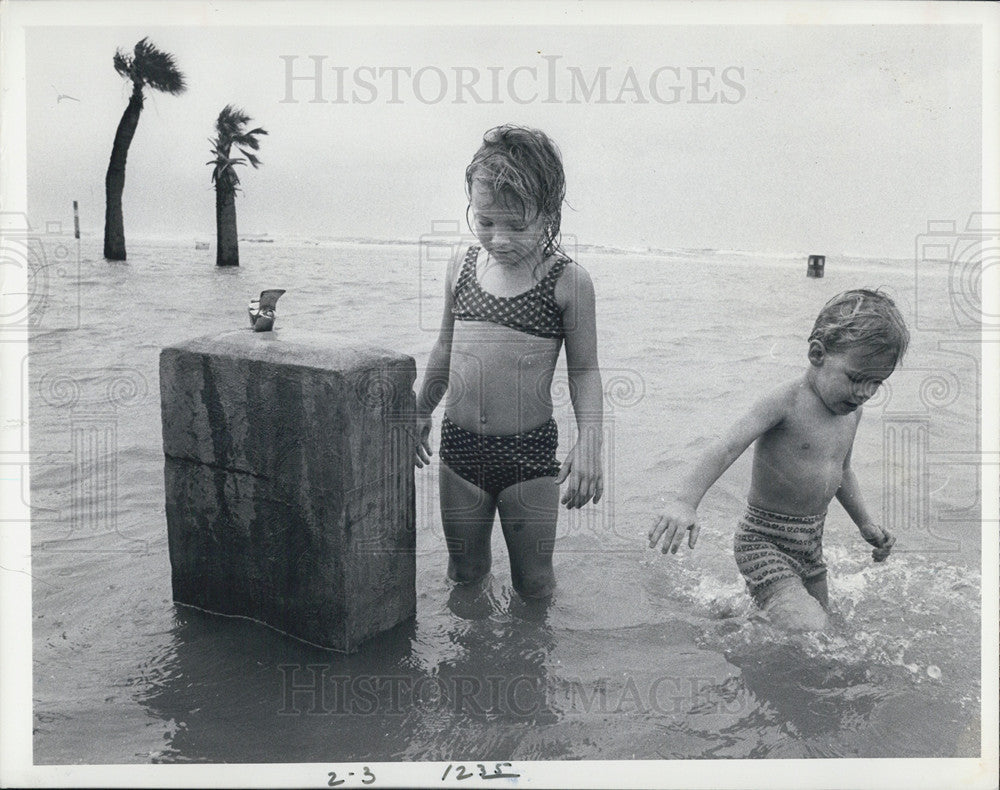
(836, 139)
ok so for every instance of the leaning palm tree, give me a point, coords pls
(145, 65)
(230, 130)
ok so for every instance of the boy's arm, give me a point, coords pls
(680, 514)
(850, 497)
(575, 290)
(437, 372)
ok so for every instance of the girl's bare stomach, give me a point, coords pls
(500, 379)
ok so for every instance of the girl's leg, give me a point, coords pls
(528, 515)
(467, 514)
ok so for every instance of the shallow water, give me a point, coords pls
(638, 655)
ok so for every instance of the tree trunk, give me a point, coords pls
(227, 250)
(114, 181)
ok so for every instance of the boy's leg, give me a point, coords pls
(467, 514)
(528, 514)
(792, 607)
(816, 587)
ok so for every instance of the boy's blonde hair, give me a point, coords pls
(862, 318)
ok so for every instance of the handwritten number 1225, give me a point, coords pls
(462, 773)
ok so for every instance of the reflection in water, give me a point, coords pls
(814, 699)
(234, 691)
(492, 678)
(482, 673)
(239, 692)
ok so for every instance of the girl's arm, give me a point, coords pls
(435, 381)
(679, 515)
(849, 495)
(582, 467)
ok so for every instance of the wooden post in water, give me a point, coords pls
(290, 493)
(815, 266)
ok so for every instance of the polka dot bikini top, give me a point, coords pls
(534, 312)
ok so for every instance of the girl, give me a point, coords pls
(510, 303)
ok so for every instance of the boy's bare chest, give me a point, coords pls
(817, 437)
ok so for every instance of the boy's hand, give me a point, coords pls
(424, 452)
(881, 539)
(582, 468)
(676, 519)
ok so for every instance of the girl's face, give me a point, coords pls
(509, 234)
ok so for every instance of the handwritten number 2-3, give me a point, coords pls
(335, 782)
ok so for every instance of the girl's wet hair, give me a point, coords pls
(862, 318)
(523, 167)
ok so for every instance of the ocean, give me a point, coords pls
(638, 655)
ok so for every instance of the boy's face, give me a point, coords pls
(844, 380)
(503, 229)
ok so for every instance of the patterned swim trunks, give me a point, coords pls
(772, 548)
(494, 463)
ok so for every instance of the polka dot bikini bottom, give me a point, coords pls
(494, 463)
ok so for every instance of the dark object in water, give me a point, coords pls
(815, 266)
(262, 310)
(201, 245)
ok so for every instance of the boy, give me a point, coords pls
(804, 431)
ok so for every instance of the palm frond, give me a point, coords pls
(249, 142)
(230, 128)
(253, 160)
(123, 64)
(231, 121)
(249, 139)
(156, 68)
(224, 168)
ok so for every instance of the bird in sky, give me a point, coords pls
(61, 96)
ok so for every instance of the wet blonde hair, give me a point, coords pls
(523, 167)
(862, 318)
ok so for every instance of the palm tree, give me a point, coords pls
(146, 65)
(230, 130)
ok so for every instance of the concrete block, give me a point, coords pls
(289, 482)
